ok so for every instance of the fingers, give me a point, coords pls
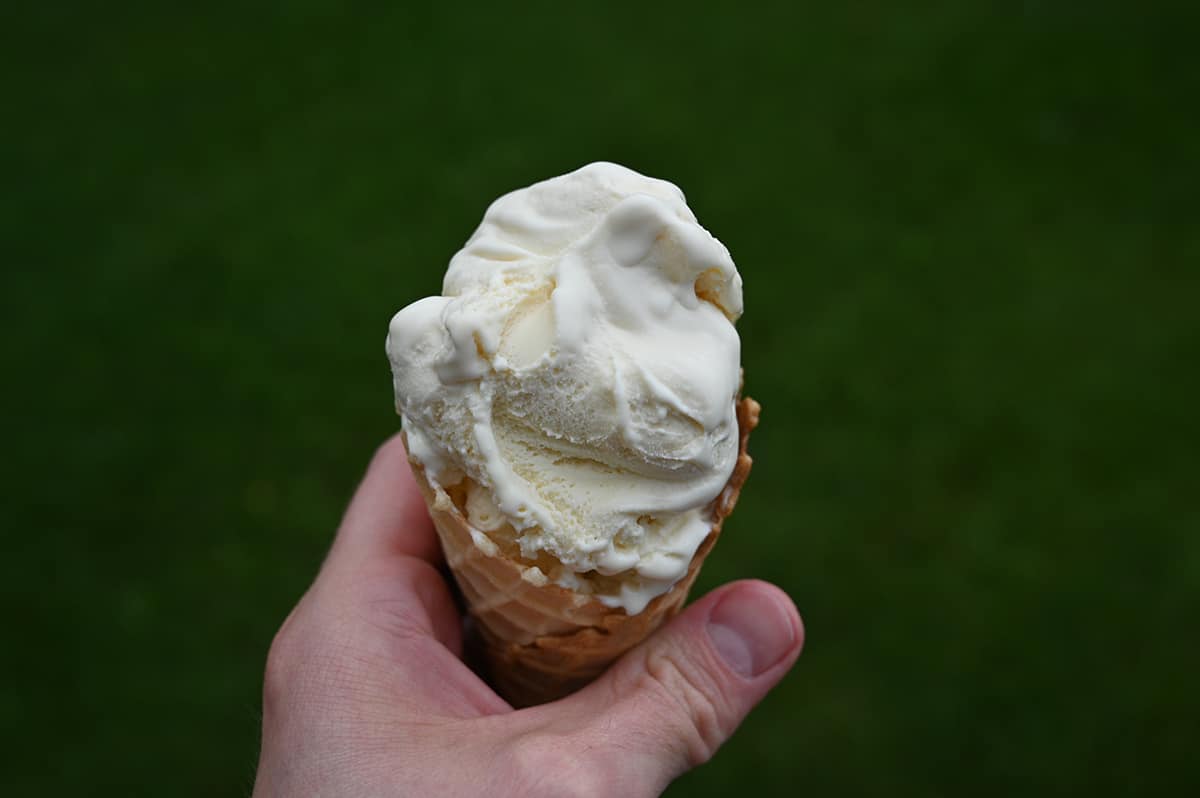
(380, 615)
(670, 703)
(407, 598)
(387, 515)
(382, 563)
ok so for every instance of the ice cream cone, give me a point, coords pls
(542, 641)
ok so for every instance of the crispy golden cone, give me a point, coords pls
(542, 641)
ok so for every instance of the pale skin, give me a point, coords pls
(366, 693)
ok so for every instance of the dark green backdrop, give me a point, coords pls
(969, 237)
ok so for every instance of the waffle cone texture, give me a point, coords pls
(541, 641)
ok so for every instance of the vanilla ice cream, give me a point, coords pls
(578, 376)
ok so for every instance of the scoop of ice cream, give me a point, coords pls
(580, 371)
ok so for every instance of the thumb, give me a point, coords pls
(670, 703)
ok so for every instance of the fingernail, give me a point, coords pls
(751, 631)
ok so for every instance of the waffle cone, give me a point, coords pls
(541, 641)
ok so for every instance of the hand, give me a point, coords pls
(366, 694)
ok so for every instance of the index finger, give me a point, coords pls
(387, 516)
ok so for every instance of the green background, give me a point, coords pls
(970, 239)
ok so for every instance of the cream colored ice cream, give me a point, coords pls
(581, 370)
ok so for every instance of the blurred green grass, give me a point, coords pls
(970, 243)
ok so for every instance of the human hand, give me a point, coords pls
(366, 693)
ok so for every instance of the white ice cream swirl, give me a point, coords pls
(581, 369)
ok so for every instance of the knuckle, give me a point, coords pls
(394, 618)
(695, 701)
(280, 671)
(310, 673)
(399, 614)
